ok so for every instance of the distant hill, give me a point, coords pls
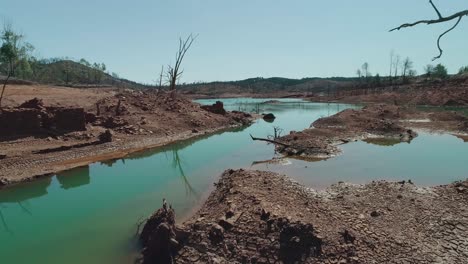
(70, 73)
(75, 74)
(267, 85)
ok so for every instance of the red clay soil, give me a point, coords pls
(450, 92)
(263, 217)
(134, 120)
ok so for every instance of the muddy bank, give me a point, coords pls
(373, 122)
(263, 217)
(64, 137)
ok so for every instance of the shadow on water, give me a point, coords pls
(74, 178)
(386, 142)
(109, 163)
(178, 145)
(19, 195)
(177, 164)
(26, 191)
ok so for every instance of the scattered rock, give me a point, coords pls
(216, 108)
(216, 234)
(106, 136)
(348, 237)
(375, 214)
(269, 117)
(298, 241)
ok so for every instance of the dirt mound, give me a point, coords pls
(262, 217)
(34, 103)
(217, 108)
(233, 232)
(326, 133)
(375, 119)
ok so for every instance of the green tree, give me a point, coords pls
(85, 62)
(463, 70)
(13, 52)
(438, 71)
(377, 80)
(97, 73)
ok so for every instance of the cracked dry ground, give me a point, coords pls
(262, 217)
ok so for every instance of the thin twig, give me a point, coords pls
(432, 21)
(441, 19)
(440, 37)
(435, 8)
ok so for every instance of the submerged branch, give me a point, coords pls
(270, 141)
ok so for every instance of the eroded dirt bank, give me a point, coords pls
(450, 92)
(373, 122)
(40, 137)
(263, 217)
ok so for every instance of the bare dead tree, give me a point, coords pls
(277, 132)
(174, 72)
(161, 78)
(441, 19)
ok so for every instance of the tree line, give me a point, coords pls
(17, 61)
(401, 72)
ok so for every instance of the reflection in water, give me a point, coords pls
(462, 137)
(4, 222)
(179, 145)
(11, 196)
(177, 164)
(24, 192)
(382, 141)
(74, 178)
(109, 163)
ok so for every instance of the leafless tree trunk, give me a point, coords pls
(391, 66)
(174, 72)
(161, 78)
(4, 86)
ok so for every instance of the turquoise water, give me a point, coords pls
(89, 215)
(429, 160)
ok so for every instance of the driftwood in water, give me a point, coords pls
(270, 141)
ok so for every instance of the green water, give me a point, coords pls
(89, 215)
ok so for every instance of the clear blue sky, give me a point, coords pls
(238, 39)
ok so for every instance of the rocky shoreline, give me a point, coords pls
(263, 217)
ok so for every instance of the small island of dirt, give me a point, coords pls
(373, 122)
